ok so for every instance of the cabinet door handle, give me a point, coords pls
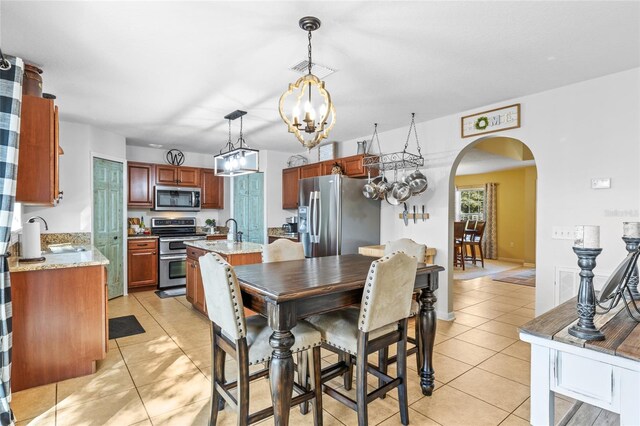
(115, 238)
(153, 252)
(142, 244)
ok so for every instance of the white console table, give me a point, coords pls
(605, 374)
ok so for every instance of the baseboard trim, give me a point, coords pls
(529, 265)
(445, 316)
(508, 259)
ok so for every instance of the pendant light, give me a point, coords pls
(318, 114)
(238, 159)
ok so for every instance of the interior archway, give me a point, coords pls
(510, 163)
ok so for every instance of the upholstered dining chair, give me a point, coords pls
(281, 250)
(247, 341)
(380, 321)
(410, 247)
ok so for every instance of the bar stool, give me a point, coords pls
(380, 321)
(247, 341)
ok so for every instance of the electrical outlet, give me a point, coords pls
(563, 233)
(600, 183)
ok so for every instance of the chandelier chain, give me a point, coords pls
(309, 47)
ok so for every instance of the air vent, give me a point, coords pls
(318, 70)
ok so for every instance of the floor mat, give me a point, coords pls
(124, 326)
(172, 292)
(527, 277)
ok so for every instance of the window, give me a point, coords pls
(471, 204)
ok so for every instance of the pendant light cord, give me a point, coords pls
(309, 47)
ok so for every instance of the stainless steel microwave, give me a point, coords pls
(176, 198)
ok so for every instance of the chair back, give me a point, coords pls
(388, 290)
(407, 246)
(471, 225)
(281, 250)
(458, 231)
(222, 293)
(480, 231)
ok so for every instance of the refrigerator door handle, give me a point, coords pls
(319, 216)
(311, 222)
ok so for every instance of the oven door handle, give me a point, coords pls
(175, 257)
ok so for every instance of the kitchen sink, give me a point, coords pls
(65, 248)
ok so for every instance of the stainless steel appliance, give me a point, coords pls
(334, 218)
(176, 198)
(290, 228)
(173, 233)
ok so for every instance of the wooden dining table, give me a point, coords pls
(285, 292)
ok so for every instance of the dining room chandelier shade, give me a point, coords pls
(236, 159)
(306, 106)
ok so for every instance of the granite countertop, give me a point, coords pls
(289, 236)
(90, 257)
(226, 247)
(141, 236)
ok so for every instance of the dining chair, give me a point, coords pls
(459, 244)
(476, 242)
(380, 321)
(281, 250)
(246, 339)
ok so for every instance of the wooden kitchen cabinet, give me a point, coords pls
(217, 237)
(142, 178)
(38, 156)
(311, 170)
(352, 166)
(212, 195)
(142, 256)
(177, 175)
(290, 179)
(60, 326)
(327, 166)
(272, 239)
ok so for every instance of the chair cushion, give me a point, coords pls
(415, 308)
(340, 329)
(259, 332)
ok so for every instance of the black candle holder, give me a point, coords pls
(632, 246)
(585, 328)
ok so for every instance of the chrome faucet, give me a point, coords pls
(235, 234)
(33, 219)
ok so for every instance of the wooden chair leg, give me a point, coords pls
(462, 253)
(403, 400)
(418, 342)
(215, 397)
(347, 378)
(473, 254)
(221, 357)
(481, 255)
(315, 371)
(383, 358)
(361, 379)
(303, 377)
(243, 382)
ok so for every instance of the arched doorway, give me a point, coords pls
(504, 168)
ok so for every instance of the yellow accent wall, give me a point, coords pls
(516, 210)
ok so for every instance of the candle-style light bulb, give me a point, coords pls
(296, 114)
(227, 165)
(243, 160)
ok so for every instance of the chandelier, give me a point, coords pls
(238, 159)
(319, 115)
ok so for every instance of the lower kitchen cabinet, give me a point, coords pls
(195, 288)
(142, 255)
(217, 237)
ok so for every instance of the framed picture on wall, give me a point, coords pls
(327, 151)
(495, 120)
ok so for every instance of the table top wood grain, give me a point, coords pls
(622, 334)
(298, 279)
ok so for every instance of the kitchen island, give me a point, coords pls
(63, 298)
(234, 253)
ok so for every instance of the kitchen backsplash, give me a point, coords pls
(75, 238)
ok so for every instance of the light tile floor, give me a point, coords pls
(162, 376)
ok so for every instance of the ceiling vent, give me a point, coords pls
(318, 70)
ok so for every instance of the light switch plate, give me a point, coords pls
(600, 183)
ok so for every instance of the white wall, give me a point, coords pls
(577, 132)
(272, 163)
(78, 141)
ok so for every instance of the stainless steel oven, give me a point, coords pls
(175, 198)
(173, 260)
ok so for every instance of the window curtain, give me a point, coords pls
(10, 103)
(490, 239)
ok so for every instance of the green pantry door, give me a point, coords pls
(248, 206)
(108, 220)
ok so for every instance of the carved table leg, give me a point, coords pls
(281, 368)
(427, 337)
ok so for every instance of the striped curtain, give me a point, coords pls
(490, 239)
(10, 102)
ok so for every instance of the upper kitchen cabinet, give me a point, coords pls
(311, 170)
(290, 179)
(142, 178)
(177, 175)
(212, 196)
(352, 166)
(38, 157)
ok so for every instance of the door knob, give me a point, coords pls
(115, 238)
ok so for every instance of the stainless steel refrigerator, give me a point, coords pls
(334, 217)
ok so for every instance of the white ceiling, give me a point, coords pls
(167, 72)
